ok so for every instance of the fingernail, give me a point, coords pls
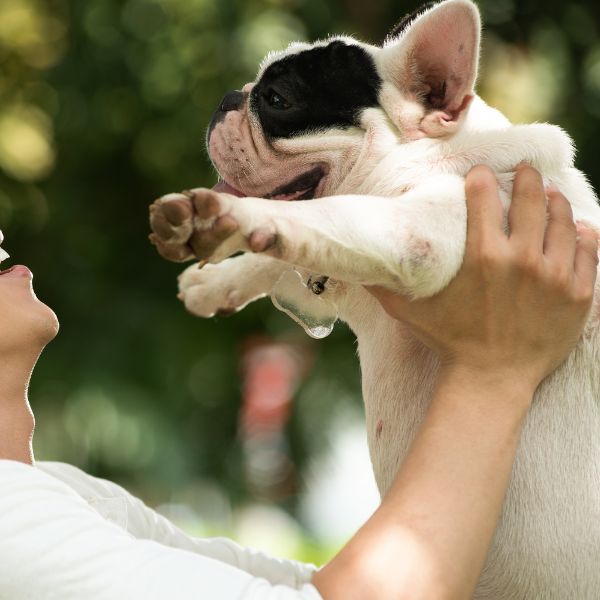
(552, 189)
(522, 165)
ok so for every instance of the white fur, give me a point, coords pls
(395, 215)
(230, 285)
(548, 542)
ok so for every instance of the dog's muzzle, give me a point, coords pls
(231, 101)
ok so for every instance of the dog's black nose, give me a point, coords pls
(232, 101)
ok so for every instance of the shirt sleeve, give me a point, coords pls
(122, 508)
(56, 546)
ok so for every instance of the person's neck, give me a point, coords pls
(15, 373)
(16, 418)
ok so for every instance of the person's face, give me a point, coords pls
(26, 324)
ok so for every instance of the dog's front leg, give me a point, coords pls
(413, 243)
(227, 287)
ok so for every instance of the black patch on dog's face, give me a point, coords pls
(320, 88)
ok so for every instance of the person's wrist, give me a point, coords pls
(500, 387)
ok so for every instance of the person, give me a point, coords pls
(64, 534)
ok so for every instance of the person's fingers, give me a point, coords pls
(526, 216)
(484, 209)
(560, 240)
(586, 261)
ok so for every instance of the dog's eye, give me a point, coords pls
(276, 100)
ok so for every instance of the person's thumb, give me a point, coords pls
(395, 304)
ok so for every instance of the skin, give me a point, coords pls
(27, 325)
(431, 533)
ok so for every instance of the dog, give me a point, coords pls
(379, 139)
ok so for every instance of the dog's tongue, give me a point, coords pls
(225, 188)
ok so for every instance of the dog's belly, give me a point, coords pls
(547, 545)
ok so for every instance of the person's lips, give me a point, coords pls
(17, 271)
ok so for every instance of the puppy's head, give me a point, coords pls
(303, 125)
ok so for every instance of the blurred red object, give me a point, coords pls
(272, 371)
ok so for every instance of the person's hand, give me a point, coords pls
(519, 302)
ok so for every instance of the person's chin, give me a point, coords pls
(52, 324)
(46, 323)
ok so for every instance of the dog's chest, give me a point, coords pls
(398, 374)
(397, 387)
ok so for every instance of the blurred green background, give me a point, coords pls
(103, 107)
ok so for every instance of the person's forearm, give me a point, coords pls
(431, 534)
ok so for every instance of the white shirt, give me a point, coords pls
(65, 535)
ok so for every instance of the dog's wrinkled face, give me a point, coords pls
(299, 130)
(279, 138)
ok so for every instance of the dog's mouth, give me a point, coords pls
(304, 187)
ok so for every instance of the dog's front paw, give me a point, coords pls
(172, 224)
(218, 289)
(197, 224)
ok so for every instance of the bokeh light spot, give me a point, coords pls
(26, 146)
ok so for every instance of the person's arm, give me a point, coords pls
(430, 536)
(509, 318)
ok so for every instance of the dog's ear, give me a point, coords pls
(429, 69)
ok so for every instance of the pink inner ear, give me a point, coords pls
(444, 58)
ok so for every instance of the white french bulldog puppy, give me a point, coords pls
(380, 140)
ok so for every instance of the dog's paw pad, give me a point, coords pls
(206, 202)
(204, 242)
(172, 252)
(177, 211)
(171, 219)
(224, 227)
(262, 240)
